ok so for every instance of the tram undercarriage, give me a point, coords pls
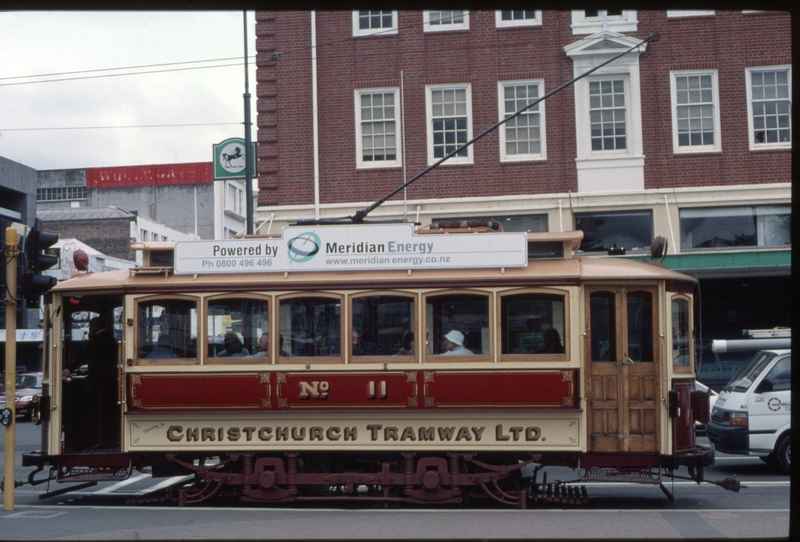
(382, 480)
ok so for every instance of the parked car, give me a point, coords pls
(29, 385)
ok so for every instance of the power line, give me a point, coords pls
(122, 126)
(116, 74)
(237, 58)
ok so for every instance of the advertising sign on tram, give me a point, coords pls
(332, 248)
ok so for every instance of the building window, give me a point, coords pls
(377, 128)
(449, 122)
(234, 200)
(522, 138)
(631, 230)
(518, 17)
(61, 193)
(593, 21)
(608, 113)
(536, 223)
(769, 93)
(689, 12)
(438, 21)
(695, 125)
(370, 22)
(734, 227)
(607, 117)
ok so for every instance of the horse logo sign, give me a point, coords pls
(230, 157)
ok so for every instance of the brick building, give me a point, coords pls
(687, 137)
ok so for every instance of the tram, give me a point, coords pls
(378, 363)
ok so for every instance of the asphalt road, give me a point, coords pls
(760, 510)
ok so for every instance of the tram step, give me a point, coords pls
(561, 493)
(644, 475)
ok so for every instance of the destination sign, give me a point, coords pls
(347, 248)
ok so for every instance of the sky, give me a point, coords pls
(101, 118)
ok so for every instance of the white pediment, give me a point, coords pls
(604, 42)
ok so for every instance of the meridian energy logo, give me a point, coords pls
(304, 247)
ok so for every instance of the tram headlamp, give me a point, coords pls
(25, 399)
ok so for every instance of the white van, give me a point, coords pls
(752, 415)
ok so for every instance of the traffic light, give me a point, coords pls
(37, 258)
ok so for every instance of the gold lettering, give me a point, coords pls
(192, 434)
(463, 434)
(315, 433)
(408, 434)
(516, 431)
(174, 433)
(351, 433)
(390, 433)
(333, 433)
(427, 433)
(478, 432)
(208, 434)
(265, 433)
(298, 433)
(373, 429)
(533, 433)
(314, 390)
(248, 432)
(234, 434)
(446, 433)
(281, 433)
(498, 433)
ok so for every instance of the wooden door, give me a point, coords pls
(622, 361)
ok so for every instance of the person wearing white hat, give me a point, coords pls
(453, 344)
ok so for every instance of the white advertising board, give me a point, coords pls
(352, 248)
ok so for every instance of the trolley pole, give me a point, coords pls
(9, 413)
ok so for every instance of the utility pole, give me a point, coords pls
(10, 411)
(248, 175)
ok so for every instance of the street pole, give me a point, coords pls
(247, 168)
(12, 253)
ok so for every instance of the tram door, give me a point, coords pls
(621, 348)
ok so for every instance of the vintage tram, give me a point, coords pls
(284, 369)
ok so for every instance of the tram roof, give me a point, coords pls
(540, 272)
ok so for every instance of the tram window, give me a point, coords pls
(603, 326)
(640, 326)
(380, 322)
(167, 331)
(234, 326)
(466, 314)
(533, 323)
(681, 335)
(311, 327)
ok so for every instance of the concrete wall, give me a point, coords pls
(173, 206)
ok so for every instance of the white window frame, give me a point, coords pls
(360, 162)
(427, 27)
(234, 197)
(627, 90)
(429, 122)
(357, 31)
(542, 154)
(717, 146)
(500, 23)
(690, 12)
(581, 24)
(750, 126)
